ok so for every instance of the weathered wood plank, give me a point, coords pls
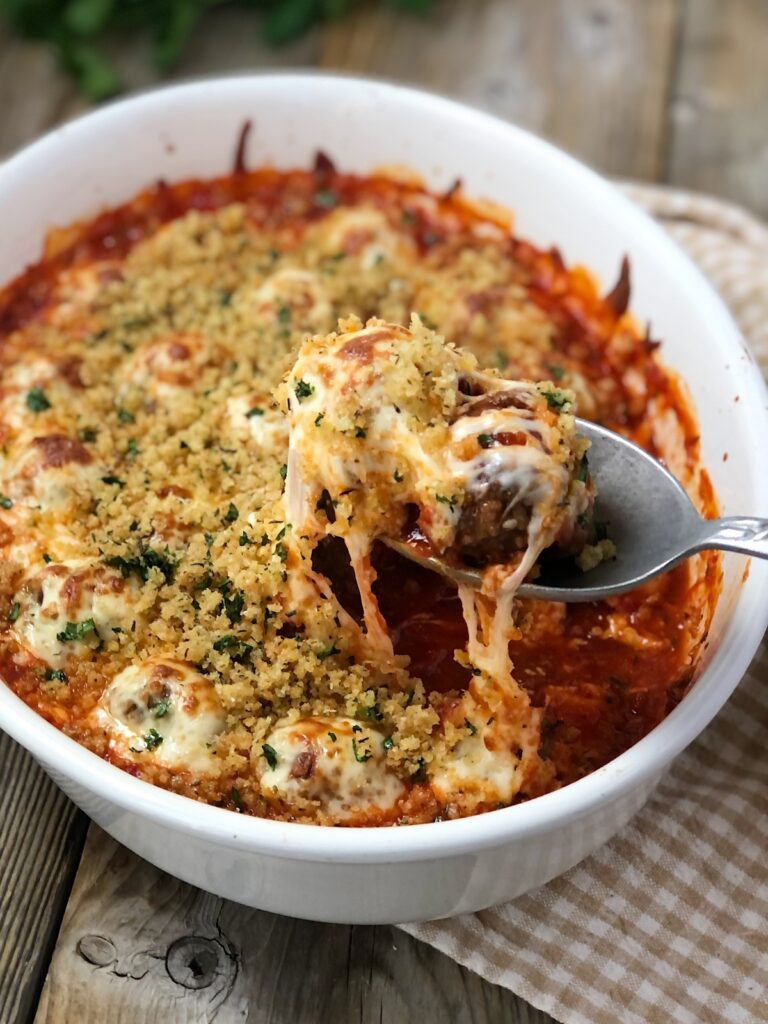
(41, 836)
(35, 94)
(719, 142)
(592, 75)
(136, 944)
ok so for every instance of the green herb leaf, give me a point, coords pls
(237, 800)
(319, 418)
(471, 727)
(398, 477)
(161, 709)
(371, 713)
(270, 754)
(451, 502)
(5, 502)
(333, 736)
(255, 411)
(233, 606)
(232, 513)
(153, 739)
(287, 20)
(485, 440)
(88, 66)
(145, 559)
(556, 399)
(224, 643)
(326, 652)
(57, 674)
(77, 631)
(87, 435)
(113, 481)
(125, 417)
(15, 611)
(283, 471)
(244, 539)
(239, 650)
(388, 743)
(303, 389)
(360, 432)
(361, 758)
(37, 401)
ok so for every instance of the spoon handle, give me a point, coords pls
(744, 534)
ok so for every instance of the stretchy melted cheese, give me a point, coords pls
(392, 432)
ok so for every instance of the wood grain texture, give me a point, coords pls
(593, 75)
(36, 94)
(41, 837)
(719, 119)
(138, 945)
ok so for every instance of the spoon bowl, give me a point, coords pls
(646, 513)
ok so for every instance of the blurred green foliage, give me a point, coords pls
(76, 28)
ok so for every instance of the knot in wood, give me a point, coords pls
(196, 962)
(97, 950)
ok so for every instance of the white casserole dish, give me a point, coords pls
(421, 871)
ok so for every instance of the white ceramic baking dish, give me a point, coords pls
(420, 871)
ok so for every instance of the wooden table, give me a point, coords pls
(663, 90)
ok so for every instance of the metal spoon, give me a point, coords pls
(649, 517)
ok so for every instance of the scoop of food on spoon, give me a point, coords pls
(650, 519)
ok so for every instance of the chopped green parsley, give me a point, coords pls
(153, 739)
(360, 757)
(77, 631)
(270, 755)
(37, 400)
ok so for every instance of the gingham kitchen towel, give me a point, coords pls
(667, 923)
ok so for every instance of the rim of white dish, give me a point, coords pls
(644, 761)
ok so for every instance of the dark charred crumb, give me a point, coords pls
(239, 166)
(618, 297)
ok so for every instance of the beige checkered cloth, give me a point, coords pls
(668, 922)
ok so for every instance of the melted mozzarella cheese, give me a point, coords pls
(162, 367)
(17, 380)
(162, 710)
(72, 594)
(364, 234)
(290, 299)
(255, 418)
(76, 289)
(383, 419)
(50, 472)
(489, 750)
(336, 762)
